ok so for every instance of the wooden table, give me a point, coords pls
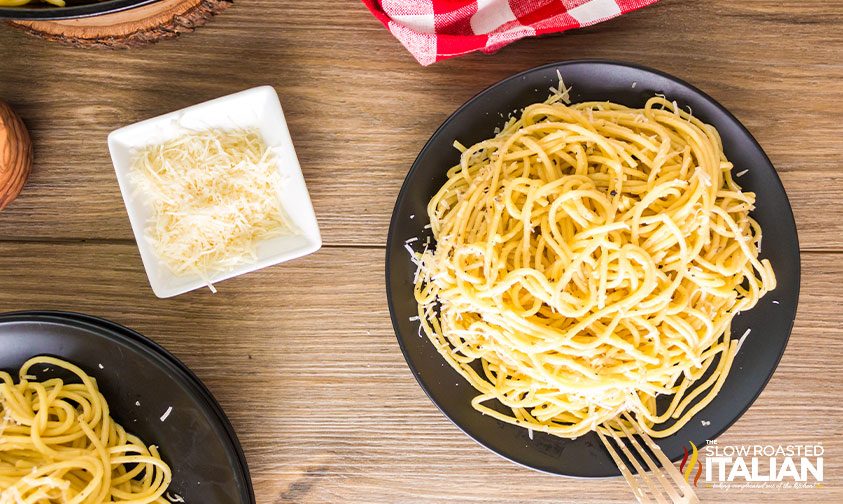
(302, 356)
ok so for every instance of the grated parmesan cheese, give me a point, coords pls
(743, 337)
(174, 497)
(560, 93)
(214, 196)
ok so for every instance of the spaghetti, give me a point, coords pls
(58, 443)
(588, 260)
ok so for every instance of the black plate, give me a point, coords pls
(196, 439)
(629, 85)
(73, 9)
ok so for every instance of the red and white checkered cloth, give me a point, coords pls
(433, 30)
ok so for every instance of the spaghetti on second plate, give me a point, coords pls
(589, 259)
(58, 443)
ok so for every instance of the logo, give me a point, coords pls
(694, 462)
(787, 466)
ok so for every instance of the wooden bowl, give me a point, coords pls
(73, 9)
(15, 154)
(142, 24)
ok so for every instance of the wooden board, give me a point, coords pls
(326, 408)
(143, 25)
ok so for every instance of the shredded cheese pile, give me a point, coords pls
(214, 196)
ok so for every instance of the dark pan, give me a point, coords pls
(630, 85)
(196, 439)
(73, 9)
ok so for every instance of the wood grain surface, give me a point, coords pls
(302, 356)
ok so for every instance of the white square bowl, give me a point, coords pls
(254, 108)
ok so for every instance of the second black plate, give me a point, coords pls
(630, 85)
(141, 382)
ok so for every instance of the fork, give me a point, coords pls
(657, 484)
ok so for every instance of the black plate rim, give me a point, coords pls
(122, 333)
(405, 188)
(72, 12)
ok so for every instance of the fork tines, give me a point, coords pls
(657, 482)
